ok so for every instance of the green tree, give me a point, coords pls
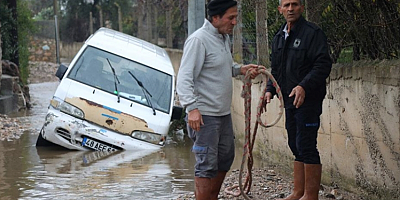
(369, 29)
(37, 6)
(45, 14)
(249, 28)
(75, 18)
(25, 26)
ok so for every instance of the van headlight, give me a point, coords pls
(149, 137)
(67, 108)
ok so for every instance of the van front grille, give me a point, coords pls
(63, 133)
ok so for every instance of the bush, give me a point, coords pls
(25, 27)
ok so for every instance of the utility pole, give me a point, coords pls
(100, 15)
(57, 32)
(149, 35)
(262, 33)
(237, 36)
(119, 17)
(168, 22)
(91, 23)
(196, 15)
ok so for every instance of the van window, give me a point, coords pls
(93, 69)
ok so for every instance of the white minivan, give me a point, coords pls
(116, 94)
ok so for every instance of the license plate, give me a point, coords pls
(96, 145)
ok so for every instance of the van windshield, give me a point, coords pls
(92, 68)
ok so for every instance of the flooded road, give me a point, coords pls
(30, 172)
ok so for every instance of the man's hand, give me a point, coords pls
(267, 100)
(300, 95)
(253, 70)
(195, 120)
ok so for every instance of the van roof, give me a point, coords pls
(131, 48)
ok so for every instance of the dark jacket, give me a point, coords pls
(302, 59)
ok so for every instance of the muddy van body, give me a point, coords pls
(116, 94)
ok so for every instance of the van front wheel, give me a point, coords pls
(41, 142)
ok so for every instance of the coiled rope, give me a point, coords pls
(249, 139)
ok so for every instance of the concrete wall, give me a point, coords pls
(69, 50)
(359, 137)
(175, 55)
(1, 53)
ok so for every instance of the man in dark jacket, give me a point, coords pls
(301, 63)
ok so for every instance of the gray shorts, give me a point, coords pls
(214, 145)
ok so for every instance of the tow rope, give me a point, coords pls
(249, 139)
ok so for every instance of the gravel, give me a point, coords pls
(11, 128)
(268, 184)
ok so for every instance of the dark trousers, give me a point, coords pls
(302, 126)
(214, 145)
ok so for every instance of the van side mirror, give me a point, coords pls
(177, 113)
(61, 71)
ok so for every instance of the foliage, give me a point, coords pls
(370, 28)
(37, 6)
(45, 14)
(179, 20)
(274, 22)
(25, 28)
(74, 23)
(75, 18)
(7, 22)
(356, 29)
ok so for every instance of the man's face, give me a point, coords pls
(227, 22)
(291, 10)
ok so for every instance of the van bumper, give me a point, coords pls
(69, 132)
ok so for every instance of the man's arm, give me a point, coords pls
(191, 64)
(322, 63)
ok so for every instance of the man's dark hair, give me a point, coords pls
(301, 2)
(219, 7)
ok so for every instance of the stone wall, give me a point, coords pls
(41, 49)
(175, 55)
(359, 138)
(44, 50)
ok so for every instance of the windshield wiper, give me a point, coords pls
(145, 92)
(115, 80)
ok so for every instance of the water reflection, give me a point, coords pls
(120, 175)
(28, 172)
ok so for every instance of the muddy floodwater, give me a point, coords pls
(30, 172)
